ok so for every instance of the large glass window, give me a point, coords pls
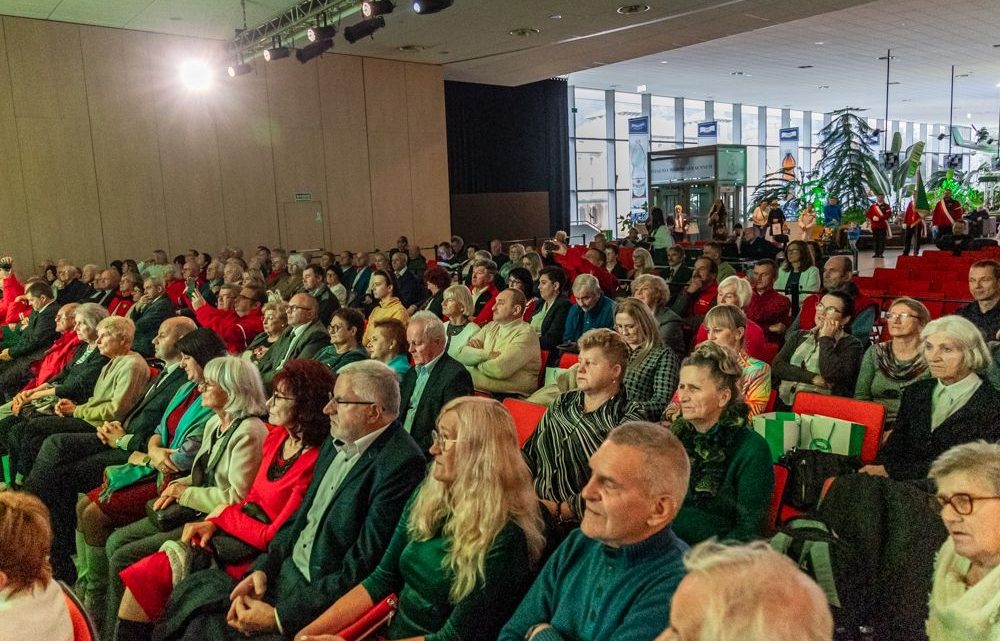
(662, 118)
(795, 120)
(751, 126)
(592, 207)
(724, 114)
(773, 125)
(753, 167)
(694, 112)
(623, 165)
(817, 126)
(590, 116)
(591, 164)
(627, 105)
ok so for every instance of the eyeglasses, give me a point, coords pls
(903, 316)
(340, 401)
(825, 310)
(437, 438)
(291, 307)
(963, 504)
(278, 397)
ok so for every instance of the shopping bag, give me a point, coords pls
(781, 430)
(834, 435)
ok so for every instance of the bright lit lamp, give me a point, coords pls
(196, 74)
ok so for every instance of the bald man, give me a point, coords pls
(304, 336)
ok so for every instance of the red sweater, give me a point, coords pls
(120, 305)
(769, 308)
(10, 312)
(55, 359)
(878, 216)
(485, 315)
(236, 331)
(575, 264)
(279, 499)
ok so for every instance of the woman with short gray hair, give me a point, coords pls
(457, 306)
(956, 405)
(965, 596)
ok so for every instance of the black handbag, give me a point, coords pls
(171, 517)
(808, 471)
(228, 549)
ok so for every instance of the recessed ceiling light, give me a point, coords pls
(907, 100)
(629, 9)
(805, 66)
(665, 62)
(823, 87)
(818, 43)
(411, 48)
(555, 16)
(968, 116)
(176, 18)
(895, 82)
(524, 32)
(962, 75)
(736, 73)
(640, 89)
(886, 58)
(444, 53)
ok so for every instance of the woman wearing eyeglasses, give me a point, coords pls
(955, 406)
(824, 359)
(965, 596)
(233, 536)
(888, 367)
(221, 473)
(520, 278)
(466, 547)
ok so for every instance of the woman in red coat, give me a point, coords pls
(235, 535)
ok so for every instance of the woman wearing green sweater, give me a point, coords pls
(732, 478)
(887, 368)
(465, 550)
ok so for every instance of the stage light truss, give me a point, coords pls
(291, 25)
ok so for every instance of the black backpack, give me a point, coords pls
(835, 566)
(808, 470)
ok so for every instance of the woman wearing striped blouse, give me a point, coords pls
(577, 422)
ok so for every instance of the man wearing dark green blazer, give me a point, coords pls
(364, 476)
(435, 379)
(303, 337)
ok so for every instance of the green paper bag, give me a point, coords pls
(834, 435)
(781, 430)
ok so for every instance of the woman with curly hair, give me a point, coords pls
(233, 535)
(731, 473)
(466, 546)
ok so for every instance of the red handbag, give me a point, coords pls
(372, 622)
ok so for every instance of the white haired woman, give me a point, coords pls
(965, 596)
(956, 405)
(221, 475)
(468, 542)
(737, 291)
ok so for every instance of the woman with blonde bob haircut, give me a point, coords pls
(651, 375)
(31, 603)
(472, 531)
(457, 306)
(746, 593)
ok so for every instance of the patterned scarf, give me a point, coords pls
(708, 452)
(899, 371)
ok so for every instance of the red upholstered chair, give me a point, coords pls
(83, 625)
(871, 415)
(568, 360)
(541, 372)
(526, 417)
(771, 400)
(780, 480)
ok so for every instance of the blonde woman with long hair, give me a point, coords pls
(464, 552)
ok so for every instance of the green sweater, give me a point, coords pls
(738, 511)
(874, 385)
(414, 571)
(588, 591)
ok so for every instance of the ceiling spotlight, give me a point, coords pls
(630, 9)
(317, 33)
(372, 8)
(427, 7)
(196, 74)
(275, 53)
(239, 69)
(311, 50)
(363, 29)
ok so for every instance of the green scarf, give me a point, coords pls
(708, 452)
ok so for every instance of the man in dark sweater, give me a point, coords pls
(615, 576)
(984, 311)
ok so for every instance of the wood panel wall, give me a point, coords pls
(106, 155)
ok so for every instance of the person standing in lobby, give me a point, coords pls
(878, 218)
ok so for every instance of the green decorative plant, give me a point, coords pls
(959, 183)
(897, 184)
(849, 166)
